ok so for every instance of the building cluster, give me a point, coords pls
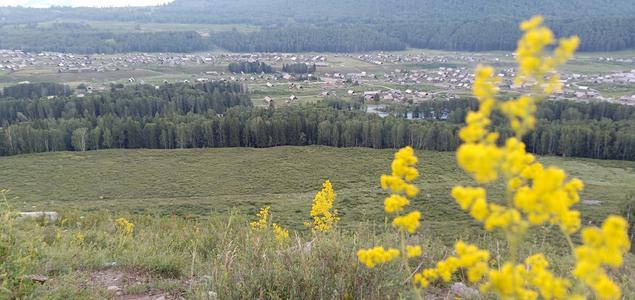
(382, 58)
(14, 60)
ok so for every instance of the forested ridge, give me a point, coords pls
(88, 40)
(333, 26)
(221, 115)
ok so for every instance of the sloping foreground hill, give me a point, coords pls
(197, 182)
(88, 255)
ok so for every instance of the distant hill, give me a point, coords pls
(353, 25)
(257, 11)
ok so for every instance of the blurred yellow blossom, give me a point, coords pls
(281, 234)
(409, 222)
(376, 256)
(603, 246)
(124, 226)
(262, 222)
(324, 217)
(413, 251)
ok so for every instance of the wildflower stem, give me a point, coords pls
(404, 255)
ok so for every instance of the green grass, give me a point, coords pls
(209, 250)
(219, 257)
(198, 182)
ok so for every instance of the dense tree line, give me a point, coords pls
(331, 124)
(334, 25)
(298, 68)
(300, 38)
(220, 114)
(249, 67)
(36, 90)
(83, 40)
(604, 139)
(455, 110)
(132, 101)
(238, 127)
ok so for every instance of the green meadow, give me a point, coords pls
(202, 182)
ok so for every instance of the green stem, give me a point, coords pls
(404, 255)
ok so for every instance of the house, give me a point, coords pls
(268, 100)
(293, 97)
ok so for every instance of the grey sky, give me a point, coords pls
(91, 3)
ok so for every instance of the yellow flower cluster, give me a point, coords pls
(479, 155)
(520, 113)
(281, 234)
(522, 281)
(403, 173)
(530, 280)
(549, 285)
(79, 237)
(124, 226)
(534, 67)
(262, 223)
(492, 215)
(602, 246)
(550, 198)
(376, 256)
(400, 184)
(413, 251)
(536, 195)
(395, 203)
(323, 218)
(468, 257)
(408, 222)
(539, 194)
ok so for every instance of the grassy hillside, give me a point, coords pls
(86, 254)
(196, 182)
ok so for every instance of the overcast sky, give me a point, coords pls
(92, 3)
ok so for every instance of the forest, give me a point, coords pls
(299, 68)
(221, 115)
(332, 26)
(85, 40)
(249, 67)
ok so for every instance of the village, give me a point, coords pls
(390, 77)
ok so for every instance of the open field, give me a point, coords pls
(200, 181)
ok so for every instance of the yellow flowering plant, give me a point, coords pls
(124, 227)
(322, 212)
(262, 223)
(536, 195)
(400, 184)
(280, 233)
